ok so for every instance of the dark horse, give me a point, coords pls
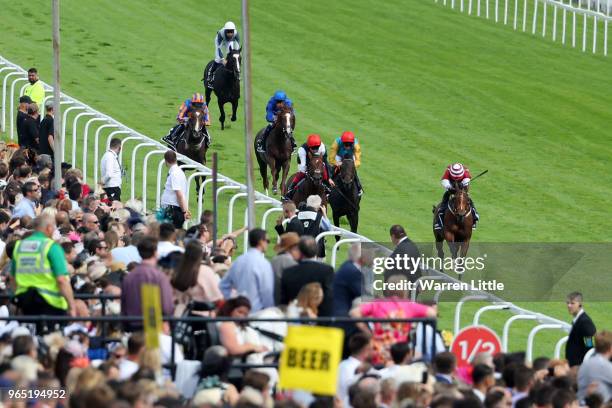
(344, 198)
(278, 150)
(313, 183)
(458, 221)
(226, 84)
(193, 143)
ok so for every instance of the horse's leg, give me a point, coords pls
(353, 220)
(208, 92)
(234, 109)
(263, 171)
(439, 246)
(222, 117)
(286, 164)
(274, 171)
(464, 247)
(336, 223)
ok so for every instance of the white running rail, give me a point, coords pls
(97, 122)
(582, 23)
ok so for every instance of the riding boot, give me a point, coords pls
(441, 210)
(358, 183)
(261, 146)
(474, 214)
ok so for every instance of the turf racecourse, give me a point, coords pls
(421, 86)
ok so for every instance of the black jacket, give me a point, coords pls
(406, 247)
(46, 129)
(292, 226)
(580, 339)
(29, 133)
(21, 116)
(305, 272)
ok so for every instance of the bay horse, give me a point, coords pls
(278, 150)
(193, 143)
(313, 183)
(226, 84)
(458, 221)
(344, 198)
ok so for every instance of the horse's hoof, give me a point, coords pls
(233, 118)
(274, 190)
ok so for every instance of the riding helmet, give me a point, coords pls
(457, 171)
(197, 98)
(348, 137)
(229, 26)
(280, 96)
(313, 140)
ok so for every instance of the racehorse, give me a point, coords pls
(226, 84)
(344, 198)
(458, 221)
(278, 150)
(313, 183)
(193, 143)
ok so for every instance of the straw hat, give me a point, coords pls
(287, 240)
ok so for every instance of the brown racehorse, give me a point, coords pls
(278, 150)
(313, 183)
(344, 197)
(193, 144)
(458, 221)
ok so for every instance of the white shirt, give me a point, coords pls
(166, 247)
(126, 254)
(346, 378)
(111, 169)
(176, 181)
(127, 368)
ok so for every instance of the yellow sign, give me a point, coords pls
(151, 313)
(310, 359)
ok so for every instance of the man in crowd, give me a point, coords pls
(174, 199)
(289, 222)
(598, 368)
(360, 347)
(29, 203)
(288, 255)
(30, 128)
(45, 133)
(251, 274)
(444, 365)
(308, 270)
(111, 171)
(39, 272)
(483, 378)
(403, 246)
(580, 338)
(22, 114)
(35, 89)
(145, 273)
(524, 381)
(167, 239)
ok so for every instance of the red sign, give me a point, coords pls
(473, 340)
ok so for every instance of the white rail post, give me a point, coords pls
(266, 214)
(85, 147)
(64, 122)
(158, 192)
(96, 150)
(515, 14)
(496, 10)
(544, 17)
(459, 306)
(12, 104)
(201, 195)
(486, 9)
(525, 15)
(594, 34)
(535, 16)
(74, 133)
(230, 210)
(470, 6)
(531, 337)
(506, 329)
(554, 29)
(584, 30)
(133, 170)
(558, 347)
(574, 29)
(564, 26)
(505, 12)
(4, 92)
(483, 309)
(190, 179)
(145, 166)
(245, 234)
(337, 245)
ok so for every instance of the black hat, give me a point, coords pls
(25, 99)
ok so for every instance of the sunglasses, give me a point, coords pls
(102, 247)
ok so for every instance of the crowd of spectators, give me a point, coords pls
(63, 250)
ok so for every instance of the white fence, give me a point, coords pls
(96, 122)
(581, 23)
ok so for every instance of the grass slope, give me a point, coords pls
(420, 84)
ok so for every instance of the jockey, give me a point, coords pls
(275, 104)
(227, 38)
(454, 175)
(345, 145)
(313, 146)
(196, 102)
